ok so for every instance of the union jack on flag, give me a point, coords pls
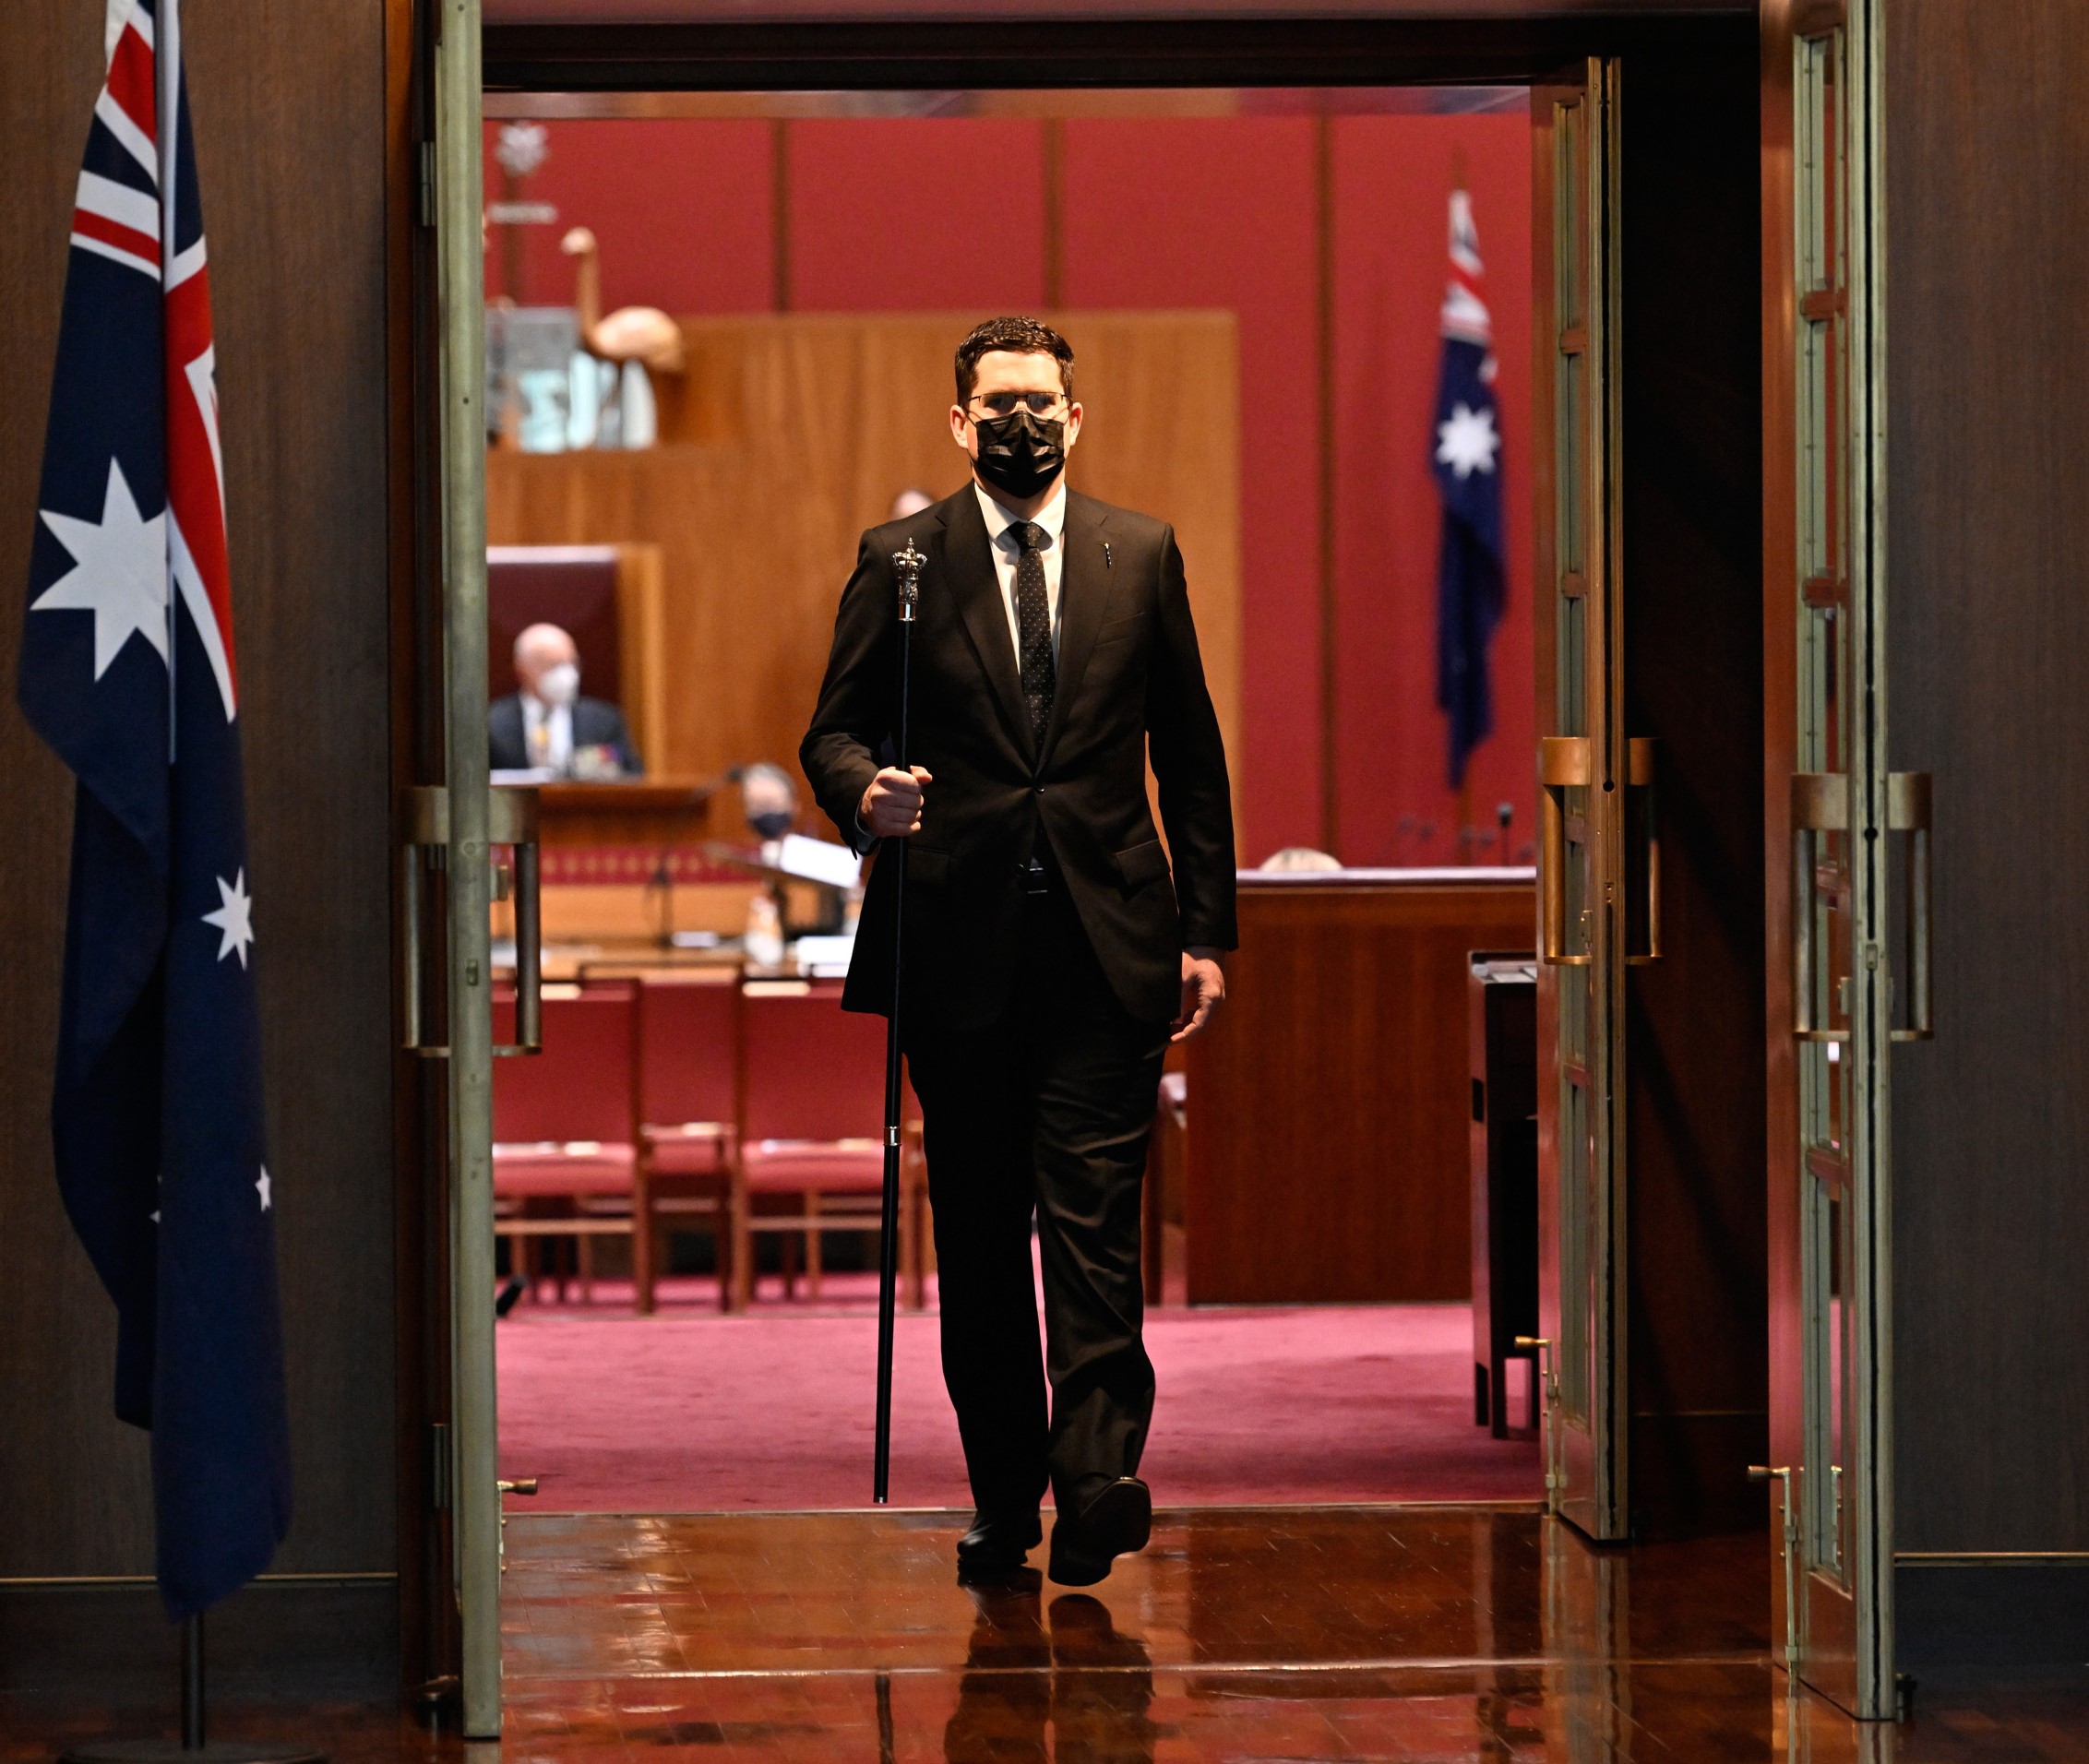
(126, 671)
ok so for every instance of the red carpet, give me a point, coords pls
(687, 1411)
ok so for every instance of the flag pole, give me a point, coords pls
(195, 1746)
(907, 567)
(193, 1722)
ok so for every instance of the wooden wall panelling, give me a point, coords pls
(641, 612)
(57, 1351)
(428, 1616)
(1692, 572)
(290, 108)
(792, 433)
(1329, 1099)
(1987, 256)
(290, 119)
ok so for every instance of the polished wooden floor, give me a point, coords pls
(1249, 1636)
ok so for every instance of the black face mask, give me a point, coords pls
(1021, 453)
(771, 825)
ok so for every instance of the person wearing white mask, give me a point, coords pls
(546, 725)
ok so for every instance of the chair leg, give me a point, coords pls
(743, 1253)
(642, 1245)
(790, 1258)
(584, 1254)
(813, 1249)
(722, 1250)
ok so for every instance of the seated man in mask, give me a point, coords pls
(548, 726)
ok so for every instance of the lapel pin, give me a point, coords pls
(1108, 562)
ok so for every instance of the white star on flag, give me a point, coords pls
(262, 1189)
(234, 918)
(119, 572)
(1467, 443)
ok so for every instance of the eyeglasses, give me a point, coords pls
(1008, 403)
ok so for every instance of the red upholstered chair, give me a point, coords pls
(812, 1123)
(688, 1096)
(564, 1131)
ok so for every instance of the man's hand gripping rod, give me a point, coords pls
(906, 568)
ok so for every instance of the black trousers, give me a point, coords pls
(1046, 1112)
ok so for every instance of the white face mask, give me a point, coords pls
(560, 684)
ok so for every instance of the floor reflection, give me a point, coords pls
(1289, 1634)
(1066, 1668)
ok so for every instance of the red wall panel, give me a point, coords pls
(1392, 179)
(1220, 212)
(943, 214)
(681, 208)
(948, 214)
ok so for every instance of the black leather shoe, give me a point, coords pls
(997, 1543)
(1115, 1522)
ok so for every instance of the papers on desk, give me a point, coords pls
(793, 858)
(812, 860)
(523, 775)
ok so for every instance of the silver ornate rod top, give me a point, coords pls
(908, 565)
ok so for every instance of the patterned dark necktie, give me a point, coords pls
(1033, 626)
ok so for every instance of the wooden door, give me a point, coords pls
(1582, 769)
(452, 829)
(1837, 825)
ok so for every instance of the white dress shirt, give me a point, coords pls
(1007, 552)
(547, 732)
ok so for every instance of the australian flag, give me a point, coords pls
(1471, 576)
(126, 671)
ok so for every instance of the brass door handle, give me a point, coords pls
(1909, 810)
(1821, 804)
(512, 820)
(1554, 1479)
(1563, 762)
(1641, 752)
(424, 845)
(1782, 1476)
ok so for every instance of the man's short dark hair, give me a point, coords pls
(1020, 335)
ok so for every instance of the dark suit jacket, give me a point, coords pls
(1129, 677)
(596, 724)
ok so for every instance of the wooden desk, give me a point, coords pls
(608, 846)
(645, 812)
(1327, 1104)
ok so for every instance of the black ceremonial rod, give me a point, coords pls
(906, 567)
(192, 1717)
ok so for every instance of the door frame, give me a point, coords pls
(838, 55)
(1835, 1632)
(1578, 573)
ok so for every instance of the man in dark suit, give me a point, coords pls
(1050, 954)
(548, 725)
